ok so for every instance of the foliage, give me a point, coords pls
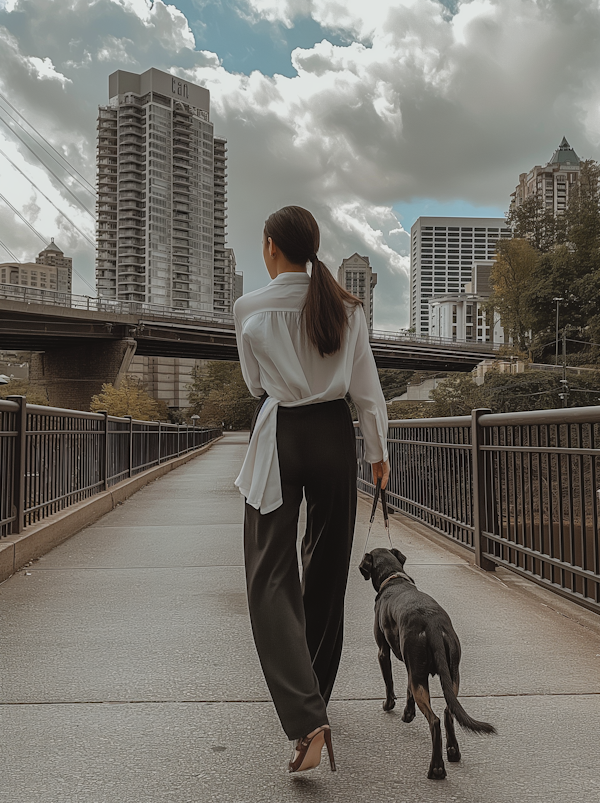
(508, 393)
(131, 398)
(566, 266)
(22, 387)
(456, 395)
(513, 279)
(394, 381)
(218, 394)
(401, 410)
(534, 221)
(539, 390)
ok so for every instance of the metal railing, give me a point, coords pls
(35, 295)
(52, 458)
(521, 490)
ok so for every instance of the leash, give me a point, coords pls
(379, 492)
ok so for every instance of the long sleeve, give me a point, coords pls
(366, 393)
(248, 362)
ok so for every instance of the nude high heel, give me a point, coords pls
(309, 749)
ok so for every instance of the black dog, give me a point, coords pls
(420, 633)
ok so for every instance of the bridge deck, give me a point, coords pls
(128, 672)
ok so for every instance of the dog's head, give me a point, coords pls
(380, 564)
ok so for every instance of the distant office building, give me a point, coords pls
(443, 253)
(463, 315)
(356, 276)
(162, 195)
(553, 182)
(51, 271)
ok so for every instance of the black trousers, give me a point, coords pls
(298, 622)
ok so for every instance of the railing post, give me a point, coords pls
(178, 440)
(479, 491)
(20, 467)
(104, 447)
(159, 439)
(130, 417)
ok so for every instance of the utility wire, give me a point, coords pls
(42, 238)
(8, 251)
(90, 241)
(24, 219)
(8, 103)
(60, 181)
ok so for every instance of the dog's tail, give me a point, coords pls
(464, 720)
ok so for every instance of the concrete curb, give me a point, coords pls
(18, 550)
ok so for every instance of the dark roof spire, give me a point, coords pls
(564, 155)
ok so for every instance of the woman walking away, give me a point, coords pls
(303, 344)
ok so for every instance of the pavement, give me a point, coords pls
(128, 672)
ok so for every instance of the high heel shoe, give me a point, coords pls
(308, 750)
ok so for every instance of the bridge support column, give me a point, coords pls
(72, 374)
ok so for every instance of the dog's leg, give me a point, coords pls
(385, 665)
(437, 771)
(409, 708)
(452, 748)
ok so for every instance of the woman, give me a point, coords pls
(303, 344)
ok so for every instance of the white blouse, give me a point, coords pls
(277, 358)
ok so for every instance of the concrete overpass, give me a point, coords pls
(81, 342)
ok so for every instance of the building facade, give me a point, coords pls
(464, 316)
(162, 190)
(52, 271)
(553, 182)
(355, 275)
(443, 253)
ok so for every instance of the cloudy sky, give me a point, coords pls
(368, 113)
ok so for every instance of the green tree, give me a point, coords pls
(22, 387)
(131, 398)
(535, 222)
(456, 395)
(218, 394)
(513, 279)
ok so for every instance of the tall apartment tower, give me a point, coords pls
(356, 276)
(553, 182)
(161, 194)
(442, 255)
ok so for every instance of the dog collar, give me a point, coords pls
(394, 576)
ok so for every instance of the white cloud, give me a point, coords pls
(419, 103)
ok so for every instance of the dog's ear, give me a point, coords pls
(397, 554)
(366, 566)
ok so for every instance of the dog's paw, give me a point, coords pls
(437, 773)
(408, 715)
(389, 704)
(453, 753)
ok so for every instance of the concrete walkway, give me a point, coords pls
(128, 672)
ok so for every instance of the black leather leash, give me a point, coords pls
(379, 493)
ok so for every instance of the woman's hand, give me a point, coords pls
(381, 470)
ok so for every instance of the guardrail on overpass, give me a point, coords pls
(521, 490)
(52, 458)
(51, 298)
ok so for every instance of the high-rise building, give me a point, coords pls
(465, 315)
(552, 182)
(443, 252)
(161, 195)
(52, 271)
(356, 276)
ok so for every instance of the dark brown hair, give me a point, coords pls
(324, 315)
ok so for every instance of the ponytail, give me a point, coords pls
(324, 314)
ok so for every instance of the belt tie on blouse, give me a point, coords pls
(260, 480)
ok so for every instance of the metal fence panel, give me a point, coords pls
(52, 458)
(520, 489)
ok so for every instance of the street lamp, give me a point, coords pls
(194, 419)
(558, 300)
